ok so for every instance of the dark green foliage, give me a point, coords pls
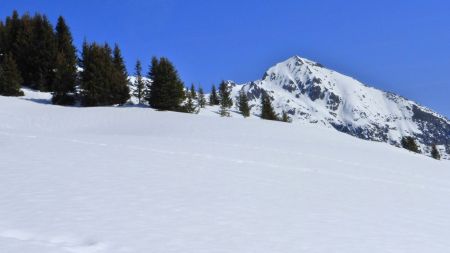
(267, 111)
(65, 75)
(32, 43)
(166, 91)
(225, 99)
(285, 117)
(190, 106)
(201, 98)
(10, 79)
(213, 97)
(120, 89)
(2, 38)
(435, 153)
(103, 79)
(243, 104)
(43, 55)
(192, 92)
(409, 143)
(140, 87)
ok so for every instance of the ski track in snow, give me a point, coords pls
(67, 244)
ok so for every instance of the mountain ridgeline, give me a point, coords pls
(309, 92)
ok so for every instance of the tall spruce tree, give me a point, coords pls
(10, 79)
(267, 111)
(193, 92)
(66, 70)
(167, 89)
(225, 99)
(189, 106)
(435, 152)
(201, 98)
(244, 108)
(43, 54)
(2, 38)
(20, 34)
(139, 83)
(120, 88)
(409, 143)
(12, 28)
(213, 97)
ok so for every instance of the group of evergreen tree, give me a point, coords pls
(104, 79)
(44, 57)
(410, 144)
(166, 91)
(34, 54)
(267, 111)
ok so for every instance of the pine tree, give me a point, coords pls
(139, 83)
(166, 90)
(285, 117)
(2, 38)
(243, 104)
(12, 27)
(213, 97)
(120, 89)
(189, 106)
(409, 143)
(19, 42)
(225, 99)
(267, 111)
(201, 98)
(43, 54)
(435, 153)
(66, 71)
(10, 79)
(193, 92)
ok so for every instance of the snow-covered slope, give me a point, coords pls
(129, 179)
(309, 92)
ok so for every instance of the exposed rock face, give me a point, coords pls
(309, 92)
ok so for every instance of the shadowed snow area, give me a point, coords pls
(112, 179)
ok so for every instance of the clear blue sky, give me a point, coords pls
(398, 46)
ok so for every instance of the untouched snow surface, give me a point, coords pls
(105, 179)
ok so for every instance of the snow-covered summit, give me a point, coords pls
(310, 92)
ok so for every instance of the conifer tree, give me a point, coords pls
(120, 89)
(139, 83)
(42, 57)
(285, 117)
(167, 89)
(20, 33)
(409, 143)
(193, 92)
(435, 153)
(213, 97)
(2, 38)
(65, 75)
(10, 78)
(12, 27)
(201, 98)
(267, 111)
(243, 104)
(225, 99)
(190, 106)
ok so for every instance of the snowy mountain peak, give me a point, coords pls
(310, 92)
